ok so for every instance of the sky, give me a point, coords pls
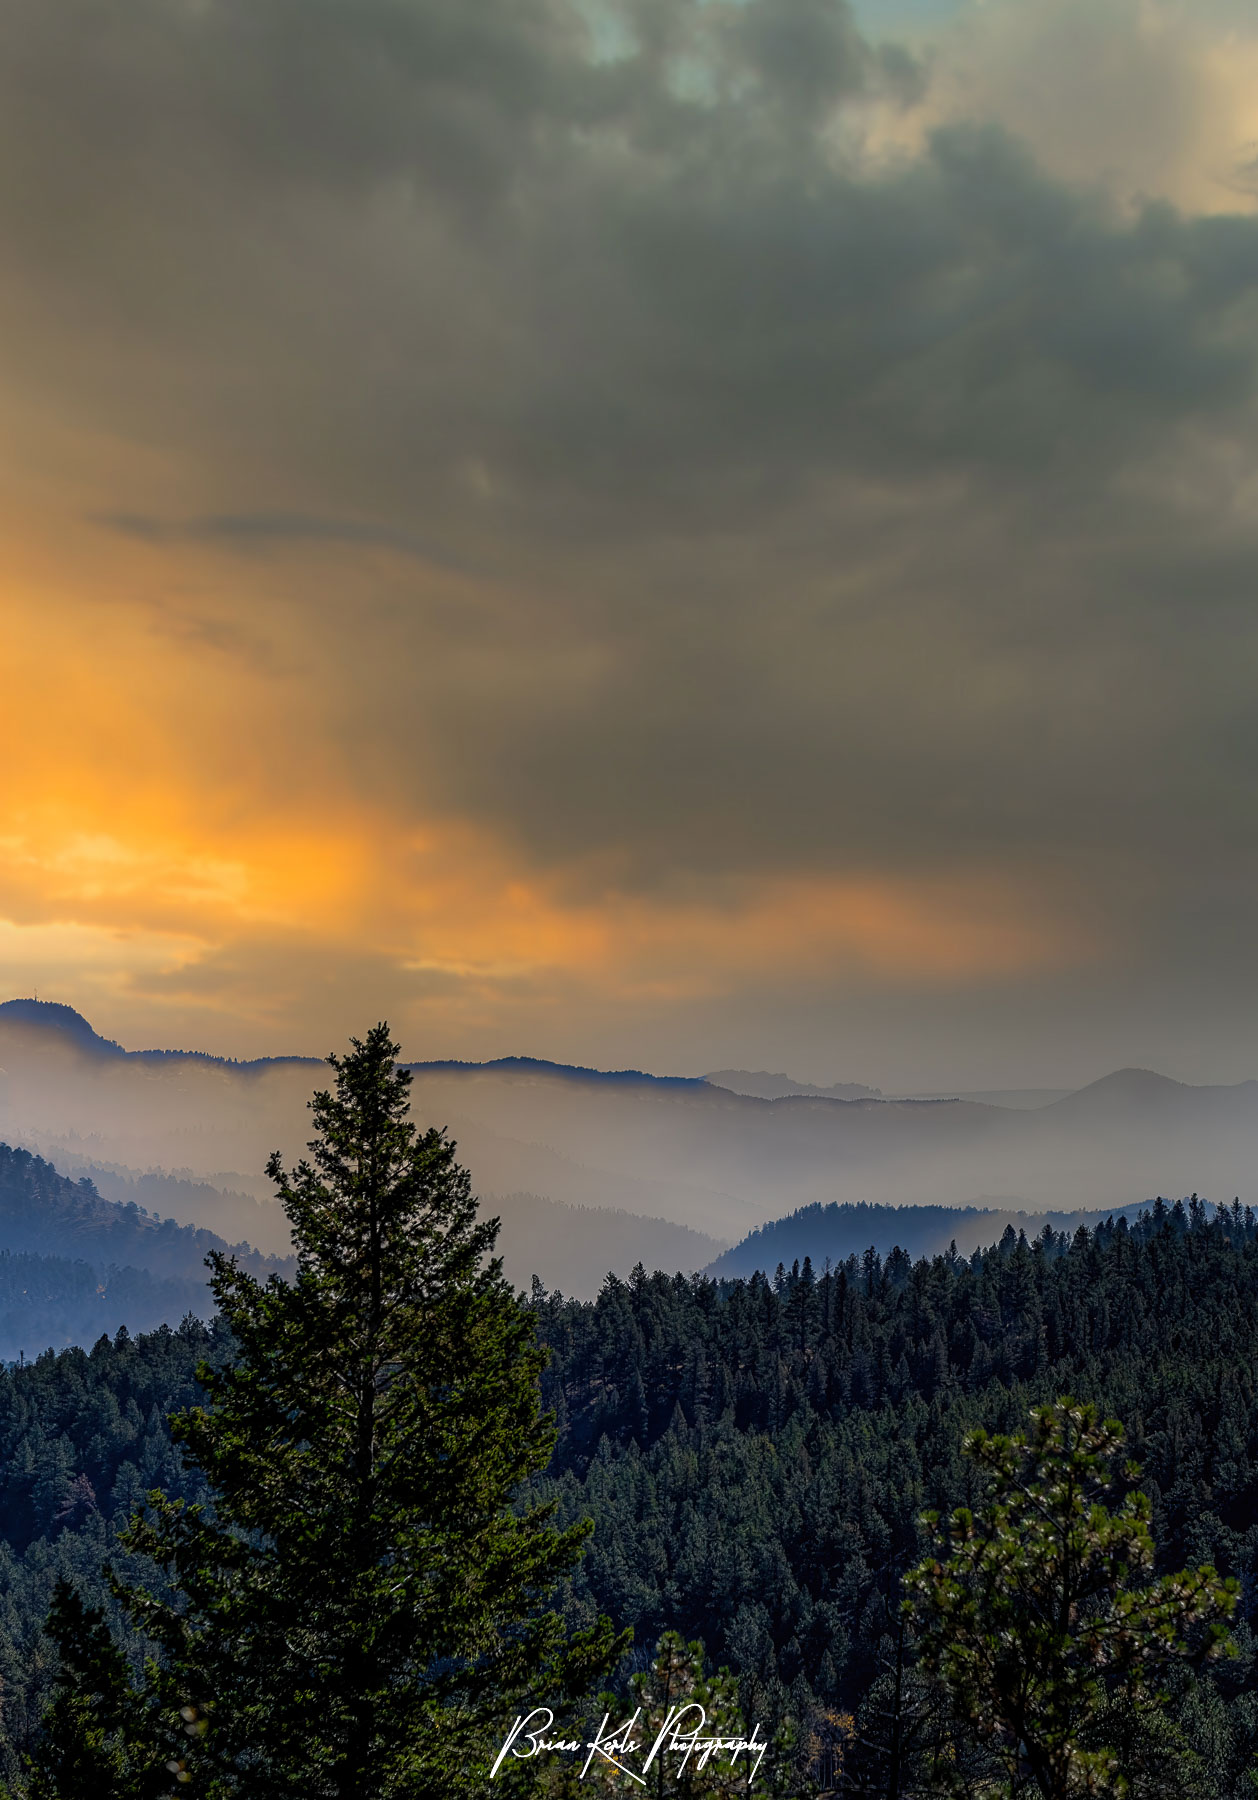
(678, 534)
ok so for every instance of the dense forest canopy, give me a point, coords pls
(757, 1454)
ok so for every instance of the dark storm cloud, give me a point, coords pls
(611, 283)
(261, 531)
(843, 507)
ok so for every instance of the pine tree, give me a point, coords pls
(1042, 1618)
(95, 1730)
(361, 1604)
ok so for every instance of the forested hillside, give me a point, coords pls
(757, 1454)
(74, 1265)
(45, 1213)
(54, 1302)
(83, 1437)
(841, 1229)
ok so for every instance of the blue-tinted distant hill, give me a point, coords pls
(70, 1026)
(53, 1027)
(533, 1065)
(74, 1265)
(44, 1213)
(51, 1302)
(839, 1231)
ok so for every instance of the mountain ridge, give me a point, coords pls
(832, 1232)
(761, 1084)
(65, 1023)
(672, 1148)
(45, 1213)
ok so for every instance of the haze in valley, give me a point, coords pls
(594, 1171)
(707, 538)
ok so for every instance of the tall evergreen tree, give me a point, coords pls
(362, 1598)
(1044, 1622)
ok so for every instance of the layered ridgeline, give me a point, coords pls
(187, 1135)
(678, 1149)
(594, 1170)
(74, 1265)
(756, 1456)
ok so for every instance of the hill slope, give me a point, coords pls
(74, 1265)
(571, 1249)
(44, 1213)
(833, 1233)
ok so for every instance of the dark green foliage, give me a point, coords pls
(83, 1436)
(1041, 1616)
(757, 1457)
(674, 1693)
(95, 1730)
(903, 1731)
(772, 1506)
(360, 1597)
(675, 1677)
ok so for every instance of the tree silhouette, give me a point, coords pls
(361, 1599)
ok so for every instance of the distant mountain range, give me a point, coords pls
(61, 1027)
(760, 1085)
(594, 1170)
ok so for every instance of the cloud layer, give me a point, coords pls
(669, 525)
